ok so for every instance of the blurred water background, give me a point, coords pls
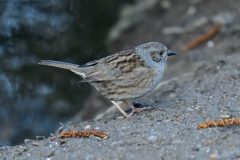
(33, 98)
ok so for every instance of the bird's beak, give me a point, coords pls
(171, 53)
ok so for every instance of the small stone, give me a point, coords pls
(97, 128)
(210, 44)
(153, 138)
(87, 127)
(191, 11)
(225, 116)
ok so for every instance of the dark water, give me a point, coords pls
(34, 99)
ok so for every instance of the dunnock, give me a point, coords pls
(124, 76)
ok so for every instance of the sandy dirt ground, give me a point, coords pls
(202, 84)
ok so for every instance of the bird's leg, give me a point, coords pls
(120, 109)
(133, 108)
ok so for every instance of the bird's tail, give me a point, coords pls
(68, 66)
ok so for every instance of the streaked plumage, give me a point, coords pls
(124, 76)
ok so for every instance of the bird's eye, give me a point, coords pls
(156, 56)
(161, 53)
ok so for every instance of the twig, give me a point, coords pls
(203, 38)
(83, 134)
(219, 123)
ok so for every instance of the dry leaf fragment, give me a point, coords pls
(83, 134)
(219, 123)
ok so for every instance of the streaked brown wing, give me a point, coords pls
(129, 85)
(113, 66)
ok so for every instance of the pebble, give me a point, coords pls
(210, 44)
(153, 138)
(97, 128)
(225, 116)
(87, 127)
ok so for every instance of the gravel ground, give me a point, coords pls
(203, 84)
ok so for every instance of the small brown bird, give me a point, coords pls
(124, 76)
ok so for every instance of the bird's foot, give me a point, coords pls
(135, 109)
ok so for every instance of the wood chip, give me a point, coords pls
(83, 134)
(219, 123)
